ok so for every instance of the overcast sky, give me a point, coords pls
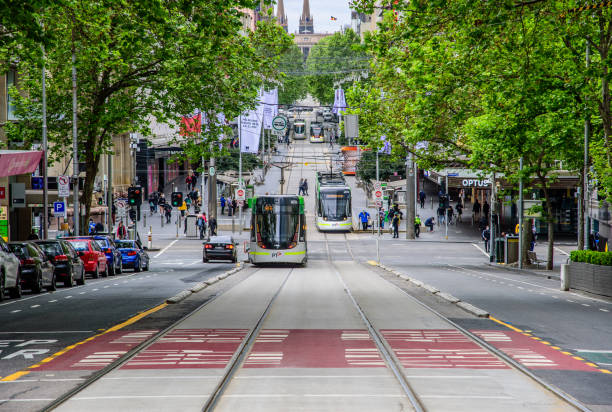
(321, 11)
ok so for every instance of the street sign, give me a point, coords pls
(211, 171)
(241, 203)
(278, 132)
(63, 186)
(377, 185)
(59, 209)
(122, 207)
(240, 194)
(379, 203)
(279, 123)
(378, 194)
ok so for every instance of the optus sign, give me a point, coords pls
(475, 183)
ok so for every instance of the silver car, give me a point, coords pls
(9, 272)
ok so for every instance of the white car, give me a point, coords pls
(9, 272)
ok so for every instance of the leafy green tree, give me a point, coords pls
(334, 58)
(294, 86)
(387, 166)
(135, 60)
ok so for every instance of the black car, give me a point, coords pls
(68, 265)
(220, 248)
(35, 269)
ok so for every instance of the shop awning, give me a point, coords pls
(18, 162)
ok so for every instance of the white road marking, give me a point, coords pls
(593, 351)
(563, 252)
(16, 310)
(604, 310)
(585, 304)
(481, 249)
(35, 306)
(54, 300)
(53, 331)
(23, 299)
(68, 297)
(166, 248)
(96, 290)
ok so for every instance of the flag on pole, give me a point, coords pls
(386, 149)
(250, 127)
(339, 101)
(270, 102)
(333, 18)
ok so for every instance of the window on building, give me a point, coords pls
(10, 103)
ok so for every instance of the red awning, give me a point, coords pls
(18, 162)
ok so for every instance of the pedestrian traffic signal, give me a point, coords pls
(100, 201)
(177, 199)
(135, 195)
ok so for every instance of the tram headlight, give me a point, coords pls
(324, 218)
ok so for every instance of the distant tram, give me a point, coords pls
(333, 203)
(299, 129)
(278, 230)
(317, 134)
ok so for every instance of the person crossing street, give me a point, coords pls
(363, 218)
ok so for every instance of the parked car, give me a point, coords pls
(113, 255)
(220, 248)
(92, 256)
(35, 269)
(9, 272)
(65, 259)
(133, 255)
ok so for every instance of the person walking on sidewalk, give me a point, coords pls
(395, 224)
(229, 206)
(121, 231)
(234, 206)
(212, 224)
(201, 222)
(306, 186)
(222, 201)
(301, 187)
(476, 210)
(486, 209)
(417, 225)
(422, 197)
(381, 218)
(363, 218)
(459, 208)
(167, 212)
(486, 237)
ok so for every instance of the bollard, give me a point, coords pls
(565, 278)
(150, 237)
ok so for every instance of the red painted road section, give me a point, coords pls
(530, 352)
(190, 349)
(314, 348)
(439, 349)
(99, 352)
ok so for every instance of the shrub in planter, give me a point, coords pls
(592, 257)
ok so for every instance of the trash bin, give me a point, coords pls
(512, 249)
(499, 249)
(191, 227)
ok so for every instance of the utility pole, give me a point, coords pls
(520, 212)
(410, 210)
(491, 221)
(240, 169)
(212, 190)
(109, 192)
(585, 170)
(75, 145)
(45, 215)
(377, 213)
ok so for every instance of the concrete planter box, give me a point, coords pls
(595, 279)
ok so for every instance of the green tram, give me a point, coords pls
(278, 230)
(333, 203)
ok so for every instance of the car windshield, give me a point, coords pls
(102, 243)
(125, 244)
(51, 249)
(335, 204)
(80, 245)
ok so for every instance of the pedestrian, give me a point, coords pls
(449, 214)
(234, 205)
(422, 197)
(222, 201)
(417, 225)
(121, 231)
(33, 235)
(459, 208)
(306, 186)
(91, 226)
(381, 218)
(363, 218)
(152, 203)
(188, 203)
(396, 222)
(212, 224)
(430, 223)
(168, 212)
(441, 213)
(201, 223)
(229, 206)
(301, 187)
(486, 237)
(475, 209)
(99, 227)
(485, 209)
(182, 208)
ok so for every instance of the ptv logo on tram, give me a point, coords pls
(276, 254)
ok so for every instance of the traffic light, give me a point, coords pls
(132, 214)
(177, 199)
(135, 195)
(100, 201)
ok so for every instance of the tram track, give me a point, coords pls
(396, 367)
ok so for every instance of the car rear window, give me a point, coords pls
(101, 242)
(52, 249)
(80, 245)
(19, 250)
(220, 239)
(124, 244)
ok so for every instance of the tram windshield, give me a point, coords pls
(277, 224)
(335, 204)
(298, 128)
(316, 131)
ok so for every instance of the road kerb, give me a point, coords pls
(202, 285)
(198, 287)
(448, 296)
(179, 296)
(473, 309)
(430, 288)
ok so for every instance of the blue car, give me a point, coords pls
(113, 256)
(133, 255)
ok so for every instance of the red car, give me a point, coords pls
(94, 259)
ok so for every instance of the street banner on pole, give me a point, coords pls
(270, 100)
(250, 128)
(339, 101)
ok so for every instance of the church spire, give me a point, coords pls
(281, 17)
(306, 21)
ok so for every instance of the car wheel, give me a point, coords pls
(53, 285)
(96, 273)
(111, 269)
(81, 280)
(105, 273)
(146, 268)
(38, 284)
(70, 281)
(137, 267)
(119, 269)
(1, 286)
(16, 291)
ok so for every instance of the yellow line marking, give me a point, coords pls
(372, 262)
(601, 370)
(15, 376)
(556, 347)
(566, 353)
(536, 338)
(505, 324)
(545, 343)
(577, 357)
(131, 320)
(591, 364)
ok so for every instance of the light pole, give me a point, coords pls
(75, 145)
(45, 216)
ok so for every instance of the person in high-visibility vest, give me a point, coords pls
(183, 208)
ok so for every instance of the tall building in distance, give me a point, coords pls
(306, 21)
(281, 16)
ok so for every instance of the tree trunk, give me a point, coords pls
(91, 166)
(581, 211)
(526, 239)
(551, 228)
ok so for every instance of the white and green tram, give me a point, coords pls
(333, 203)
(278, 230)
